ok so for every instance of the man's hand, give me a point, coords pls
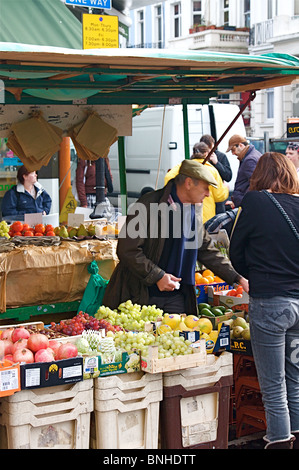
(213, 158)
(244, 283)
(168, 282)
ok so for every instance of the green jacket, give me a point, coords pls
(138, 266)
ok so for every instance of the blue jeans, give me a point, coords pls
(274, 331)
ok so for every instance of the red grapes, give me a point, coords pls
(82, 321)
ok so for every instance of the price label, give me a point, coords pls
(8, 380)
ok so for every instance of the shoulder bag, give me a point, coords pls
(283, 212)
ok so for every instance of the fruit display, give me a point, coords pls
(21, 229)
(85, 230)
(238, 292)
(239, 328)
(130, 316)
(81, 322)
(206, 277)
(208, 310)
(19, 345)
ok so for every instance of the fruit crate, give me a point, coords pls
(153, 365)
(48, 418)
(196, 405)
(126, 411)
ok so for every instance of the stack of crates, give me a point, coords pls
(249, 409)
(126, 411)
(55, 417)
(195, 406)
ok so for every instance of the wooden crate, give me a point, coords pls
(153, 365)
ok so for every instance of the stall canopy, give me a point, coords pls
(39, 22)
(41, 74)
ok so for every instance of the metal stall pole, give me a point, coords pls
(122, 175)
(186, 130)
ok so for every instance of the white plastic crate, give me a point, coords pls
(54, 417)
(126, 410)
(197, 377)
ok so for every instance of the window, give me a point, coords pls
(140, 28)
(247, 13)
(197, 13)
(272, 9)
(296, 7)
(177, 20)
(158, 27)
(225, 12)
(270, 103)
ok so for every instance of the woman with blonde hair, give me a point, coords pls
(265, 249)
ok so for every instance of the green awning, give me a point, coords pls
(39, 22)
(135, 76)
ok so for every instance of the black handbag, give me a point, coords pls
(283, 212)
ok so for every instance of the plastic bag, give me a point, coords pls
(94, 291)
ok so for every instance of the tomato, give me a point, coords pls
(17, 226)
(49, 228)
(25, 227)
(39, 228)
(38, 234)
(28, 233)
(17, 234)
(232, 293)
(50, 234)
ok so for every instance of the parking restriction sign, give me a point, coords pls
(100, 31)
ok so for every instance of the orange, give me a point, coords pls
(207, 272)
(203, 280)
(218, 279)
(210, 279)
(198, 276)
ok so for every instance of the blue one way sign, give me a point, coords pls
(105, 4)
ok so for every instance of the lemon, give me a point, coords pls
(213, 335)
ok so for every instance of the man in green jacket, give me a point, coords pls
(161, 241)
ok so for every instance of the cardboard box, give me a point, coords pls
(241, 346)
(218, 320)
(48, 374)
(10, 381)
(93, 366)
(222, 342)
(222, 298)
(201, 290)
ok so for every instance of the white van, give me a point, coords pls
(145, 171)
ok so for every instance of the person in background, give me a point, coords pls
(157, 266)
(86, 182)
(292, 152)
(28, 196)
(221, 163)
(264, 249)
(248, 157)
(216, 194)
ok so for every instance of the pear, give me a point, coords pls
(246, 334)
(72, 232)
(63, 233)
(239, 321)
(237, 331)
(56, 230)
(91, 230)
(82, 232)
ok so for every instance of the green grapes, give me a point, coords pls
(130, 316)
(4, 229)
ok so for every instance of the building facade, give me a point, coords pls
(237, 26)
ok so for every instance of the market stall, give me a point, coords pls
(126, 364)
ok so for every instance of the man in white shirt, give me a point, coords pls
(292, 152)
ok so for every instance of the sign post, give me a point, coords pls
(100, 32)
